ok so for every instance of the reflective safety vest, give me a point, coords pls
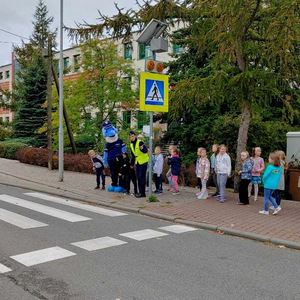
(140, 157)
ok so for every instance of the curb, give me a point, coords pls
(132, 209)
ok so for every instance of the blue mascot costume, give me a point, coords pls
(114, 146)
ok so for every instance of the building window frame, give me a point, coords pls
(7, 74)
(128, 50)
(1, 75)
(66, 64)
(76, 62)
(126, 119)
(177, 49)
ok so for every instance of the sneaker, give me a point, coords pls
(175, 193)
(255, 199)
(263, 212)
(159, 192)
(103, 188)
(277, 210)
(97, 187)
(240, 203)
(198, 194)
(216, 195)
(272, 207)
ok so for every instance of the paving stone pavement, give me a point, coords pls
(285, 225)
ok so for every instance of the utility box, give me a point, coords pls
(159, 45)
(293, 145)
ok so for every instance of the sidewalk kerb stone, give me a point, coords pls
(244, 234)
(156, 215)
(200, 225)
(124, 207)
(288, 244)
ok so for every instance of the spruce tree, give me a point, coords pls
(30, 87)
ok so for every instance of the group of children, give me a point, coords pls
(219, 166)
(273, 179)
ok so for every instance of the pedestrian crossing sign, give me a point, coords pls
(154, 92)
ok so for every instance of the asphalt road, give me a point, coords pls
(190, 265)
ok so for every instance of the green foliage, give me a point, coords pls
(8, 150)
(99, 92)
(30, 96)
(5, 132)
(30, 87)
(30, 141)
(153, 199)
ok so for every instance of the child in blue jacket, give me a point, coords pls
(271, 179)
(175, 162)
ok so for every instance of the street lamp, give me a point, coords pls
(61, 99)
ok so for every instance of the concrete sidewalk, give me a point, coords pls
(244, 221)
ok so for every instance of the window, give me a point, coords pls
(128, 51)
(113, 118)
(177, 49)
(6, 119)
(76, 63)
(145, 52)
(126, 119)
(142, 119)
(1, 75)
(66, 64)
(6, 74)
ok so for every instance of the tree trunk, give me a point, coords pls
(242, 140)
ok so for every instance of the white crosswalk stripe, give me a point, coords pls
(95, 209)
(145, 234)
(19, 220)
(99, 243)
(54, 212)
(41, 256)
(4, 269)
(177, 228)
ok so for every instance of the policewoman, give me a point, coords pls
(139, 158)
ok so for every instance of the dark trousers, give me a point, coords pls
(130, 177)
(158, 182)
(277, 196)
(141, 171)
(100, 172)
(243, 191)
(113, 172)
(215, 179)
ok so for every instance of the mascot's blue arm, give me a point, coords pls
(105, 159)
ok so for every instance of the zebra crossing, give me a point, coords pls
(40, 256)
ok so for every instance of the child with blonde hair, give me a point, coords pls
(258, 167)
(281, 186)
(271, 179)
(203, 169)
(223, 169)
(98, 167)
(246, 175)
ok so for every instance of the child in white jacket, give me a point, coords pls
(223, 169)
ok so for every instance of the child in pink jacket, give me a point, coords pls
(258, 167)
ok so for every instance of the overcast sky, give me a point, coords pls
(17, 15)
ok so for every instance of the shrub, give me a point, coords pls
(5, 132)
(9, 150)
(30, 141)
(72, 162)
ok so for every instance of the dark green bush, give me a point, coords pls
(9, 150)
(30, 141)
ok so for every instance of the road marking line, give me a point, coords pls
(42, 256)
(99, 243)
(178, 228)
(47, 210)
(19, 220)
(145, 234)
(95, 209)
(4, 269)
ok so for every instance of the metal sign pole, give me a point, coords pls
(150, 152)
(61, 128)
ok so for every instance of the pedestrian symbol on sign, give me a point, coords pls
(154, 92)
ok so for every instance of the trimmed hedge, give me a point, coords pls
(9, 150)
(72, 162)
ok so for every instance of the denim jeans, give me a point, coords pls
(100, 173)
(222, 179)
(268, 196)
(158, 182)
(215, 179)
(277, 196)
